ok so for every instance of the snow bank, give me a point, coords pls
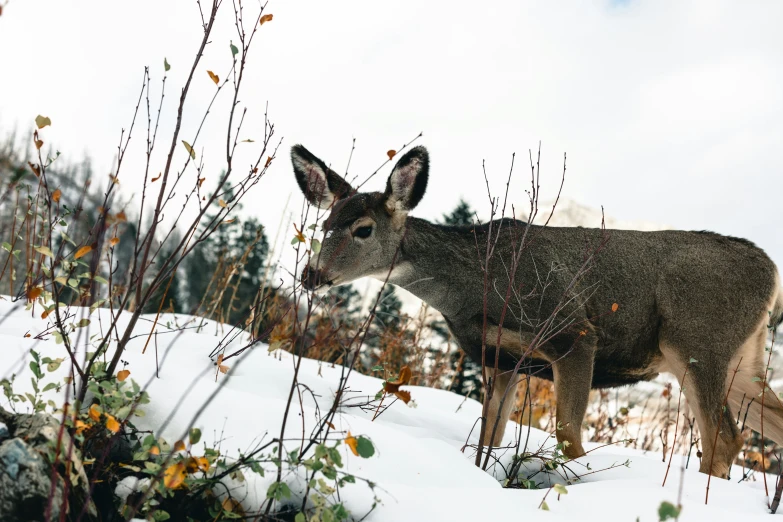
(419, 468)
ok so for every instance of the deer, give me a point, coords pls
(695, 304)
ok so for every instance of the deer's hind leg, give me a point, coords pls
(705, 385)
(501, 404)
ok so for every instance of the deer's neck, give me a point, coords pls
(428, 263)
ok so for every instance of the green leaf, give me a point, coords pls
(300, 517)
(99, 279)
(189, 149)
(692, 361)
(234, 50)
(36, 369)
(195, 435)
(315, 245)
(45, 250)
(668, 510)
(6, 246)
(365, 448)
(96, 305)
(160, 515)
(560, 489)
(377, 368)
(278, 491)
(544, 506)
(166, 65)
(52, 366)
(50, 386)
(334, 455)
(82, 323)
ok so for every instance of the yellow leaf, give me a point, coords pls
(391, 153)
(352, 443)
(214, 77)
(113, 241)
(174, 476)
(122, 375)
(56, 195)
(95, 413)
(197, 463)
(615, 306)
(81, 426)
(232, 505)
(179, 446)
(83, 251)
(111, 424)
(42, 121)
(222, 203)
(154, 450)
(264, 19)
(189, 149)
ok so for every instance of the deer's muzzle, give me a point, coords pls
(314, 278)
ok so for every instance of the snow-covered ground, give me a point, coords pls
(419, 468)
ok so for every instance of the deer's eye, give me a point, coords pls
(362, 232)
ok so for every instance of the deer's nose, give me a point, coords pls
(311, 278)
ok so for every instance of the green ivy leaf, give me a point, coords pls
(365, 447)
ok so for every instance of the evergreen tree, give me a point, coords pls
(461, 215)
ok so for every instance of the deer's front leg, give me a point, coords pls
(573, 375)
(499, 408)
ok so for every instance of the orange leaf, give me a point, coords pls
(33, 293)
(113, 241)
(83, 251)
(46, 313)
(179, 446)
(268, 161)
(153, 180)
(404, 396)
(264, 19)
(28, 334)
(214, 77)
(615, 306)
(81, 426)
(111, 424)
(220, 359)
(391, 153)
(56, 195)
(352, 443)
(174, 475)
(223, 368)
(95, 413)
(122, 375)
(121, 217)
(200, 462)
(38, 144)
(154, 450)
(201, 181)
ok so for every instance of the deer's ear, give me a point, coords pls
(408, 180)
(320, 184)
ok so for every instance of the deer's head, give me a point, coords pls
(363, 230)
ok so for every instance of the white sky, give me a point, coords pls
(670, 111)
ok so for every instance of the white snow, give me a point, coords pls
(419, 468)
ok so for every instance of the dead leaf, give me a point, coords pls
(264, 19)
(403, 395)
(42, 121)
(391, 153)
(189, 149)
(352, 443)
(122, 375)
(174, 476)
(222, 367)
(268, 161)
(299, 235)
(393, 387)
(113, 241)
(111, 424)
(222, 203)
(56, 195)
(36, 169)
(214, 77)
(615, 306)
(179, 446)
(228, 221)
(33, 293)
(46, 313)
(114, 179)
(201, 181)
(83, 251)
(232, 505)
(28, 334)
(121, 217)
(38, 144)
(153, 180)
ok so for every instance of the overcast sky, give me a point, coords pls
(670, 111)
